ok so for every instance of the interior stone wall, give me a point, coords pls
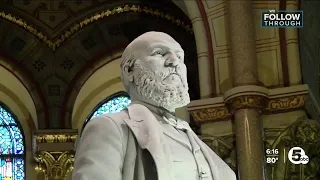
(267, 45)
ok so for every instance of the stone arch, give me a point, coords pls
(201, 29)
(18, 80)
(16, 97)
(14, 94)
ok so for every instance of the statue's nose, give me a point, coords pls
(172, 60)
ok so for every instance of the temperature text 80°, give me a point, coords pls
(272, 160)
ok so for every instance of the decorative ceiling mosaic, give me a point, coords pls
(53, 44)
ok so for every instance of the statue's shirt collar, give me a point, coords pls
(161, 114)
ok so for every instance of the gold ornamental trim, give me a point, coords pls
(54, 165)
(285, 103)
(247, 102)
(53, 44)
(210, 114)
(265, 104)
(56, 138)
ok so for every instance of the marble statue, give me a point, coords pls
(146, 141)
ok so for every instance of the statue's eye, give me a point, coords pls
(178, 56)
(158, 52)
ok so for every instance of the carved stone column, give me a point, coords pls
(245, 107)
(54, 152)
(246, 103)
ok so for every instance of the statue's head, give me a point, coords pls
(153, 71)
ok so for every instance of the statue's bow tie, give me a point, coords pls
(176, 122)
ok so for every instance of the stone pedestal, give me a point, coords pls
(54, 152)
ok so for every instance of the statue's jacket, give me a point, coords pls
(129, 146)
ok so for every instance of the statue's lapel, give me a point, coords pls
(176, 136)
(148, 133)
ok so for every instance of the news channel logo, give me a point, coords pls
(297, 155)
(282, 19)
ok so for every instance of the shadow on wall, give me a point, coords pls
(309, 43)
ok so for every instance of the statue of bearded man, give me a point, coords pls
(146, 141)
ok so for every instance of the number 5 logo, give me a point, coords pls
(297, 155)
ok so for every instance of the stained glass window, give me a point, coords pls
(115, 103)
(12, 152)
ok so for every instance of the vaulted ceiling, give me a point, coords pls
(54, 46)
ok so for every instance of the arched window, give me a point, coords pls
(112, 104)
(12, 147)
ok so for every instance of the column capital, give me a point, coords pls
(55, 165)
(247, 102)
(53, 152)
(246, 97)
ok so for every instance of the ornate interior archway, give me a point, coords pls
(60, 56)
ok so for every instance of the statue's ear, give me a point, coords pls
(127, 70)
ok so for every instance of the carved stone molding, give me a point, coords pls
(56, 138)
(285, 103)
(208, 110)
(53, 44)
(55, 165)
(246, 102)
(42, 139)
(210, 114)
(244, 97)
(269, 101)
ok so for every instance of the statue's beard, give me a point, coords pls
(153, 88)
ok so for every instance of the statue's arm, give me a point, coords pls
(99, 153)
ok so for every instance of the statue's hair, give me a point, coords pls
(128, 59)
